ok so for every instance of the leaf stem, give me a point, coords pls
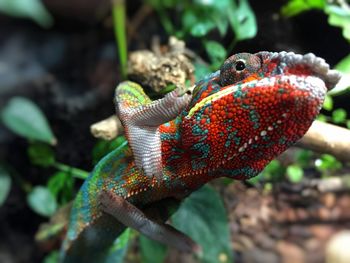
(118, 12)
(75, 172)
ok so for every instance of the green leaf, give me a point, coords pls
(5, 185)
(344, 65)
(201, 70)
(274, 171)
(202, 28)
(53, 257)
(344, 84)
(295, 173)
(103, 147)
(41, 201)
(339, 116)
(295, 7)
(33, 9)
(202, 216)
(242, 20)
(41, 154)
(328, 103)
(151, 251)
(304, 157)
(216, 52)
(322, 118)
(189, 19)
(24, 118)
(221, 23)
(348, 124)
(61, 185)
(117, 251)
(339, 17)
(327, 162)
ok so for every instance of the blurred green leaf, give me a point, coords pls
(41, 154)
(295, 7)
(328, 103)
(61, 185)
(201, 28)
(202, 216)
(221, 23)
(151, 251)
(53, 257)
(339, 17)
(304, 157)
(348, 124)
(103, 147)
(216, 52)
(295, 173)
(274, 171)
(339, 116)
(119, 26)
(41, 201)
(242, 20)
(201, 70)
(5, 185)
(33, 9)
(321, 117)
(189, 19)
(117, 252)
(344, 65)
(25, 118)
(327, 162)
(344, 84)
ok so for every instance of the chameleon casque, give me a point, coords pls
(231, 124)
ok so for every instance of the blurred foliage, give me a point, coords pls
(295, 173)
(61, 186)
(152, 251)
(103, 147)
(33, 9)
(344, 85)
(24, 118)
(338, 13)
(42, 201)
(327, 163)
(339, 16)
(119, 25)
(208, 227)
(5, 184)
(200, 18)
(53, 257)
(295, 7)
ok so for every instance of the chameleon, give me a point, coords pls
(230, 124)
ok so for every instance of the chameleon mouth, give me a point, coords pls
(317, 65)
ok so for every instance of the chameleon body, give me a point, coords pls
(232, 124)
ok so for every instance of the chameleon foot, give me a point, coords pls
(141, 118)
(131, 216)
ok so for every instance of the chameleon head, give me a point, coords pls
(253, 109)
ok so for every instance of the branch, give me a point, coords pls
(327, 138)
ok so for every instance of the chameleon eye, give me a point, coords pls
(240, 65)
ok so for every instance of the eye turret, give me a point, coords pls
(238, 67)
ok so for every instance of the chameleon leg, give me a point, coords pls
(131, 216)
(141, 119)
